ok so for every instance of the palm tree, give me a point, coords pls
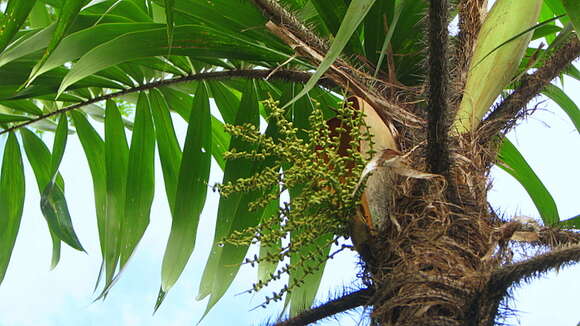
(407, 180)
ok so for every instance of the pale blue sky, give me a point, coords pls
(33, 295)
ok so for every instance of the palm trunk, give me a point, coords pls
(432, 258)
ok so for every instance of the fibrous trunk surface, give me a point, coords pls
(433, 255)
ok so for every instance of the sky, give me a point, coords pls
(31, 294)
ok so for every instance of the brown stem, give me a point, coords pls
(330, 308)
(507, 113)
(503, 278)
(279, 15)
(438, 106)
(287, 75)
(534, 267)
(546, 236)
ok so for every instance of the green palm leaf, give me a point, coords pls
(39, 158)
(224, 261)
(116, 165)
(355, 14)
(52, 202)
(167, 145)
(69, 11)
(573, 11)
(565, 102)
(514, 163)
(13, 18)
(140, 180)
(11, 200)
(191, 191)
(94, 148)
(193, 40)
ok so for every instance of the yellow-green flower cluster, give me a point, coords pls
(318, 171)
